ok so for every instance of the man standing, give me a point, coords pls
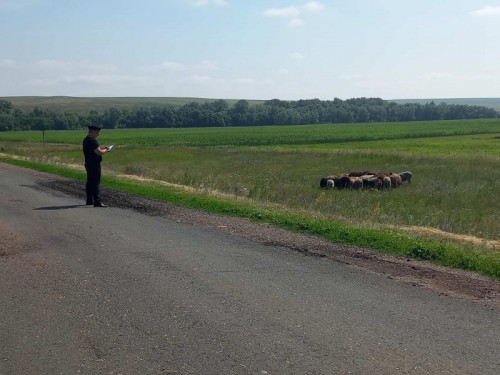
(93, 157)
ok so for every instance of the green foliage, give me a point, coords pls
(218, 113)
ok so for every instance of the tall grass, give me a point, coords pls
(457, 194)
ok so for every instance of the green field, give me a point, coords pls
(455, 164)
(306, 136)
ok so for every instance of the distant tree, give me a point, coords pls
(41, 119)
(378, 113)
(432, 111)
(5, 106)
(112, 118)
(218, 114)
(241, 106)
(217, 106)
(6, 122)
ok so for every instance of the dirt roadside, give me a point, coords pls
(443, 280)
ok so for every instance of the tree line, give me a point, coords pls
(220, 114)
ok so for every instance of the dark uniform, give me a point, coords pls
(93, 167)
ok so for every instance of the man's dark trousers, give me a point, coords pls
(92, 186)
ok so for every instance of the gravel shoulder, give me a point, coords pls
(443, 280)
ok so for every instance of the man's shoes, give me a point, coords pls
(100, 205)
(89, 203)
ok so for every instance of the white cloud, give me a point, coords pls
(6, 63)
(287, 12)
(294, 13)
(487, 11)
(244, 80)
(174, 66)
(351, 77)
(435, 76)
(200, 78)
(206, 65)
(169, 65)
(103, 79)
(202, 3)
(314, 6)
(439, 75)
(296, 56)
(373, 84)
(296, 22)
(58, 66)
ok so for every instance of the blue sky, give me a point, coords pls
(251, 49)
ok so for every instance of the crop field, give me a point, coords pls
(304, 135)
(455, 165)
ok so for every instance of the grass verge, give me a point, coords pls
(386, 241)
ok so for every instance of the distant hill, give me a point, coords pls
(484, 102)
(83, 105)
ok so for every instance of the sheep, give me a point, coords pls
(359, 174)
(366, 178)
(356, 183)
(395, 180)
(343, 182)
(386, 182)
(358, 180)
(372, 182)
(406, 176)
(323, 183)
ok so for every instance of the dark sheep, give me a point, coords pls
(372, 182)
(356, 183)
(406, 176)
(344, 182)
(323, 183)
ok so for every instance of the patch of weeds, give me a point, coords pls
(134, 170)
(188, 179)
(419, 251)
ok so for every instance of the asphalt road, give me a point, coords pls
(111, 291)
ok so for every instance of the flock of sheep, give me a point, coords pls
(359, 180)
